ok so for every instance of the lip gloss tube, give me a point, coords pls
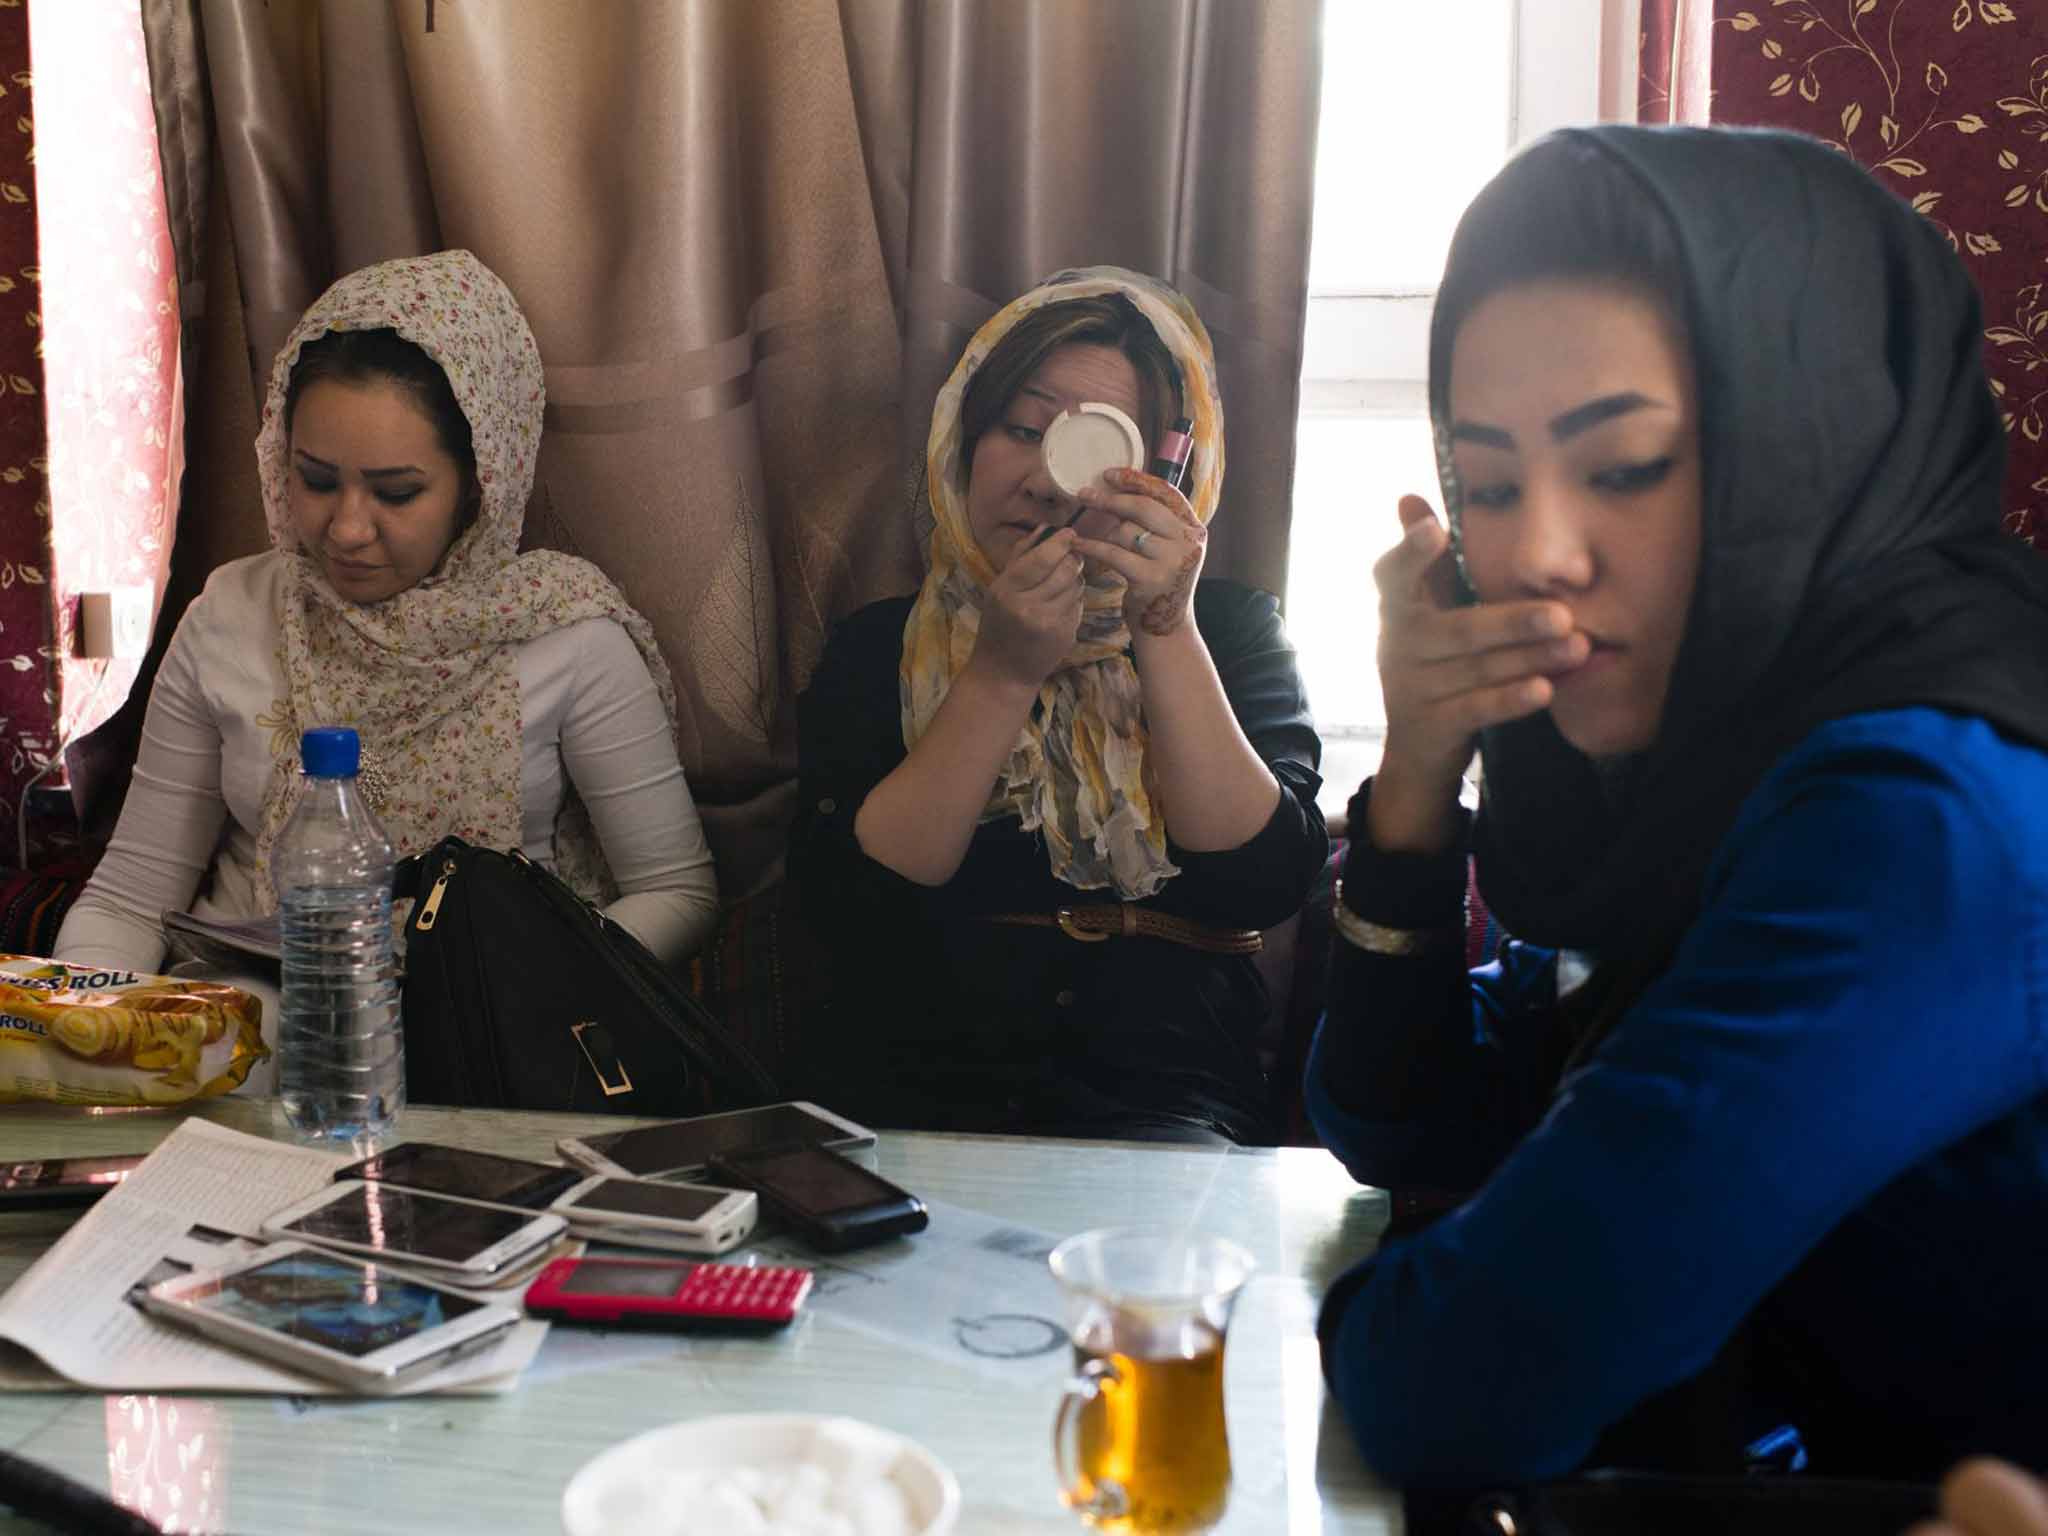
(1176, 447)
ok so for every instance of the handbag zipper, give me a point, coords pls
(431, 908)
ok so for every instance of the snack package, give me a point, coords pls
(73, 1035)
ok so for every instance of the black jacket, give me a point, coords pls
(943, 1020)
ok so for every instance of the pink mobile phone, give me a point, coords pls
(655, 1293)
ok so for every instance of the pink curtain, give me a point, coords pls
(1946, 101)
(1654, 60)
(93, 445)
(112, 399)
(1677, 52)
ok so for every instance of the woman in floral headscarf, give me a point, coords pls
(1050, 802)
(513, 700)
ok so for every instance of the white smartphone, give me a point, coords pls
(689, 1218)
(683, 1147)
(336, 1318)
(403, 1226)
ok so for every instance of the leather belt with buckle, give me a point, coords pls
(1127, 920)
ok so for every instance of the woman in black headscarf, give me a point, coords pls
(1757, 1109)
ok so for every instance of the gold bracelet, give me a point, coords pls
(1379, 939)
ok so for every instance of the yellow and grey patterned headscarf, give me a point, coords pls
(1078, 772)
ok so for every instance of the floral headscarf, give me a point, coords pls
(428, 678)
(1078, 772)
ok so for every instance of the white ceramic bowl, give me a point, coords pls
(607, 1496)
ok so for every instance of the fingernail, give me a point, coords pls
(1421, 532)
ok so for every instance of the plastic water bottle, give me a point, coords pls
(342, 1058)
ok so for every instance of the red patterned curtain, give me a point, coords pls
(28, 691)
(1947, 102)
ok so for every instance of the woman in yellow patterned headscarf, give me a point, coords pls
(1075, 740)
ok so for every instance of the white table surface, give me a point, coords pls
(499, 1464)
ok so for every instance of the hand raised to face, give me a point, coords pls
(1033, 611)
(1155, 544)
(1449, 670)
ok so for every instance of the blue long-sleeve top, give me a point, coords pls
(1832, 1109)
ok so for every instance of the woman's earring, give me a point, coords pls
(1454, 497)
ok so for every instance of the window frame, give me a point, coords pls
(1367, 351)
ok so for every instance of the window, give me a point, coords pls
(1420, 105)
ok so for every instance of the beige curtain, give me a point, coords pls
(751, 236)
(1006, 140)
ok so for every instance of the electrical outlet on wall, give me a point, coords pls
(115, 623)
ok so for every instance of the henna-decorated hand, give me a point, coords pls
(1157, 547)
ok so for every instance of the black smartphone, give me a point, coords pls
(59, 1181)
(831, 1203)
(483, 1177)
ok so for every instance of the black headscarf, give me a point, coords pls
(1851, 556)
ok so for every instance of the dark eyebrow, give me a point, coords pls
(1580, 418)
(368, 474)
(1585, 417)
(1486, 437)
(1043, 394)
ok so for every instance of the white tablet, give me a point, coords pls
(336, 1318)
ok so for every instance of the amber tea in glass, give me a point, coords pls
(1140, 1442)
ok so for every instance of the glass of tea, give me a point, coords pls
(1139, 1443)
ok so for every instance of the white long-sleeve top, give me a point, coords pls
(218, 718)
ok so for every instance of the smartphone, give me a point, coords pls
(653, 1293)
(686, 1147)
(336, 1318)
(461, 1174)
(403, 1226)
(831, 1203)
(692, 1218)
(59, 1181)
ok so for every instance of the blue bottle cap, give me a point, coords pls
(330, 752)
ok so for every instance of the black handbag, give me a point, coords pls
(521, 995)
